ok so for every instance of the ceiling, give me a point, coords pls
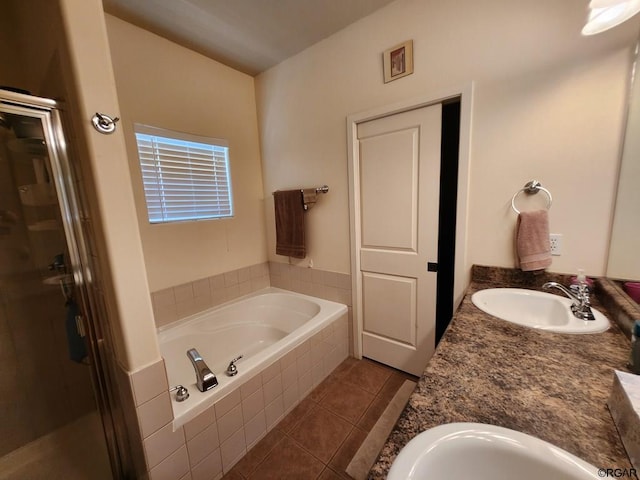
(248, 35)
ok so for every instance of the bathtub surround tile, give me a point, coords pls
(291, 397)
(162, 444)
(163, 298)
(125, 392)
(203, 444)
(232, 292)
(201, 288)
(253, 405)
(244, 274)
(274, 412)
(155, 414)
(273, 388)
(198, 424)
(187, 308)
(230, 423)
(226, 403)
(165, 315)
(183, 293)
(172, 467)
(174, 303)
(210, 467)
(216, 282)
(270, 372)
(251, 386)
(244, 288)
(259, 283)
(255, 429)
(305, 384)
(233, 449)
(149, 382)
(289, 376)
(303, 362)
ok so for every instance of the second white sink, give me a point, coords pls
(539, 310)
(485, 452)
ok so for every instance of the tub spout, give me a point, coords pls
(205, 379)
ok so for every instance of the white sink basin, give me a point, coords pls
(485, 452)
(534, 309)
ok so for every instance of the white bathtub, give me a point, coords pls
(263, 327)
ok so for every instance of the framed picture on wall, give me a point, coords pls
(397, 62)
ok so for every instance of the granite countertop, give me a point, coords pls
(486, 370)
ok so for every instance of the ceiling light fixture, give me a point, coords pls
(606, 14)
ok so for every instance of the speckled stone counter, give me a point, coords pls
(549, 385)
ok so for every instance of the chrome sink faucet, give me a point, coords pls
(205, 378)
(581, 307)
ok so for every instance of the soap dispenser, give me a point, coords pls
(580, 283)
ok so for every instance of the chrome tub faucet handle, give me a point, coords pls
(232, 369)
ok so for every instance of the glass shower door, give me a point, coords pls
(50, 426)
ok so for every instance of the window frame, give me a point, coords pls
(163, 217)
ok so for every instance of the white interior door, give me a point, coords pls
(399, 177)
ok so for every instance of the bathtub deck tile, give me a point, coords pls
(272, 388)
(225, 404)
(230, 423)
(274, 412)
(198, 424)
(270, 372)
(291, 397)
(255, 429)
(252, 405)
(250, 387)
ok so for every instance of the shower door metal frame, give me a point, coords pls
(64, 178)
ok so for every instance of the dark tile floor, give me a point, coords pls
(319, 437)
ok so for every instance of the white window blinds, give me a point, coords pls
(185, 177)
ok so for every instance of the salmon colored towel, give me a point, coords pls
(532, 240)
(289, 211)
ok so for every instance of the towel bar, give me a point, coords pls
(322, 189)
(308, 195)
(531, 188)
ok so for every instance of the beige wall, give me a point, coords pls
(164, 85)
(548, 105)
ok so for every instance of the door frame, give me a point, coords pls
(462, 272)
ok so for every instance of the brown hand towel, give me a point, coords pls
(532, 240)
(289, 223)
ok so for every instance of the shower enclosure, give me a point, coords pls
(56, 415)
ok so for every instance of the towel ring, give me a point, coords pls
(531, 188)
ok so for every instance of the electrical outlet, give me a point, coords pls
(555, 240)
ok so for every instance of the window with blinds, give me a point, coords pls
(185, 177)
